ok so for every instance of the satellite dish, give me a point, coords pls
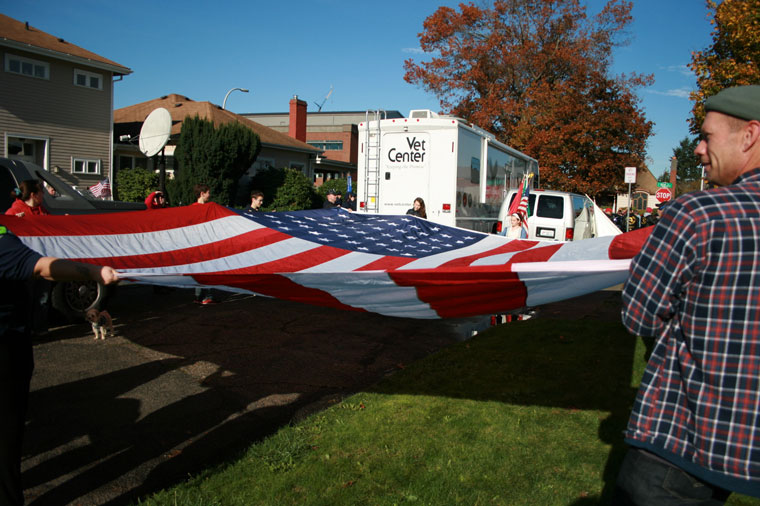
(155, 131)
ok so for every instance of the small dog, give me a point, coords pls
(101, 323)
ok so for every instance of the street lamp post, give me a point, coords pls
(244, 90)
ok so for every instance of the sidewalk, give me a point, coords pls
(183, 387)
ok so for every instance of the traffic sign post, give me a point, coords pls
(630, 178)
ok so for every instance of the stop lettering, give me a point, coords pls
(663, 194)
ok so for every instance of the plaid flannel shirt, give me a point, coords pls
(695, 287)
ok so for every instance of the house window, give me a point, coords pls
(132, 162)
(88, 79)
(126, 162)
(327, 145)
(27, 66)
(31, 149)
(84, 166)
(639, 201)
(261, 164)
(21, 148)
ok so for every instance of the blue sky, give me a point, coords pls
(357, 47)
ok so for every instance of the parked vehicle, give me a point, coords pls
(71, 299)
(461, 171)
(560, 216)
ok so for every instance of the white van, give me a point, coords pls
(554, 215)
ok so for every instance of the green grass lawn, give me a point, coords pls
(528, 413)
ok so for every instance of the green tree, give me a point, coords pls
(135, 184)
(296, 193)
(689, 165)
(734, 57)
(689, 171)
(537, 74)
(216, 156)
(268, 181)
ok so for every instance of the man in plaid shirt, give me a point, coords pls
(694, 430)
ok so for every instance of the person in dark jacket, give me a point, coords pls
(418, 208)
(332, 200)
(18, 266)
(350, 202)
(257, 200)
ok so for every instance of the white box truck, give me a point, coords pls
(461, 171)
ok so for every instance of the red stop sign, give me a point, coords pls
(663, 194)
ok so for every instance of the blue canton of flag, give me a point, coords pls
(405, 236)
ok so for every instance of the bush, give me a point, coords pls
(295, 193)
(133, 185)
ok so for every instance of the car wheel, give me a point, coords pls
(73, 298)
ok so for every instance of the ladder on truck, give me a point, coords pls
(371, 155)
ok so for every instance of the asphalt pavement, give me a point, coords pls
(183, 387)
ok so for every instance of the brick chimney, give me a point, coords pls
(297, 119)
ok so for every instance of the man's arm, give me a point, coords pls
(58, 269)
(652, 293)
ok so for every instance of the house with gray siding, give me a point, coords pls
(56, 104)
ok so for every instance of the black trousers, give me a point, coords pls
(16, 366)
(647, 480)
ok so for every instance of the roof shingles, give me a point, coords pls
(22, 34)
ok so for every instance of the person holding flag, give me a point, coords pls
(27, 200)
(694, 430)
(18, 265)
(516, 230)
(520, 208)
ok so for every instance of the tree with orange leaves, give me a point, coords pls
(734, 57)
(536, 74)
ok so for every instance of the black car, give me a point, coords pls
(72, 299)
(67, 199)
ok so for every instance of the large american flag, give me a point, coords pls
(393, 265)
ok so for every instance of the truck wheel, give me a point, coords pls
(73, 298)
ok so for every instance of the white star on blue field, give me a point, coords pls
(401, 236)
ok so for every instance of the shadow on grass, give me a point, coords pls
(583, 364)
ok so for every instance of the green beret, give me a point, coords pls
(740, 101)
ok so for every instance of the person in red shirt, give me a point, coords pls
(155, 200)
(203, 195)
(28, 201)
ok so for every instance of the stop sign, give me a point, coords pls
(663, 194)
